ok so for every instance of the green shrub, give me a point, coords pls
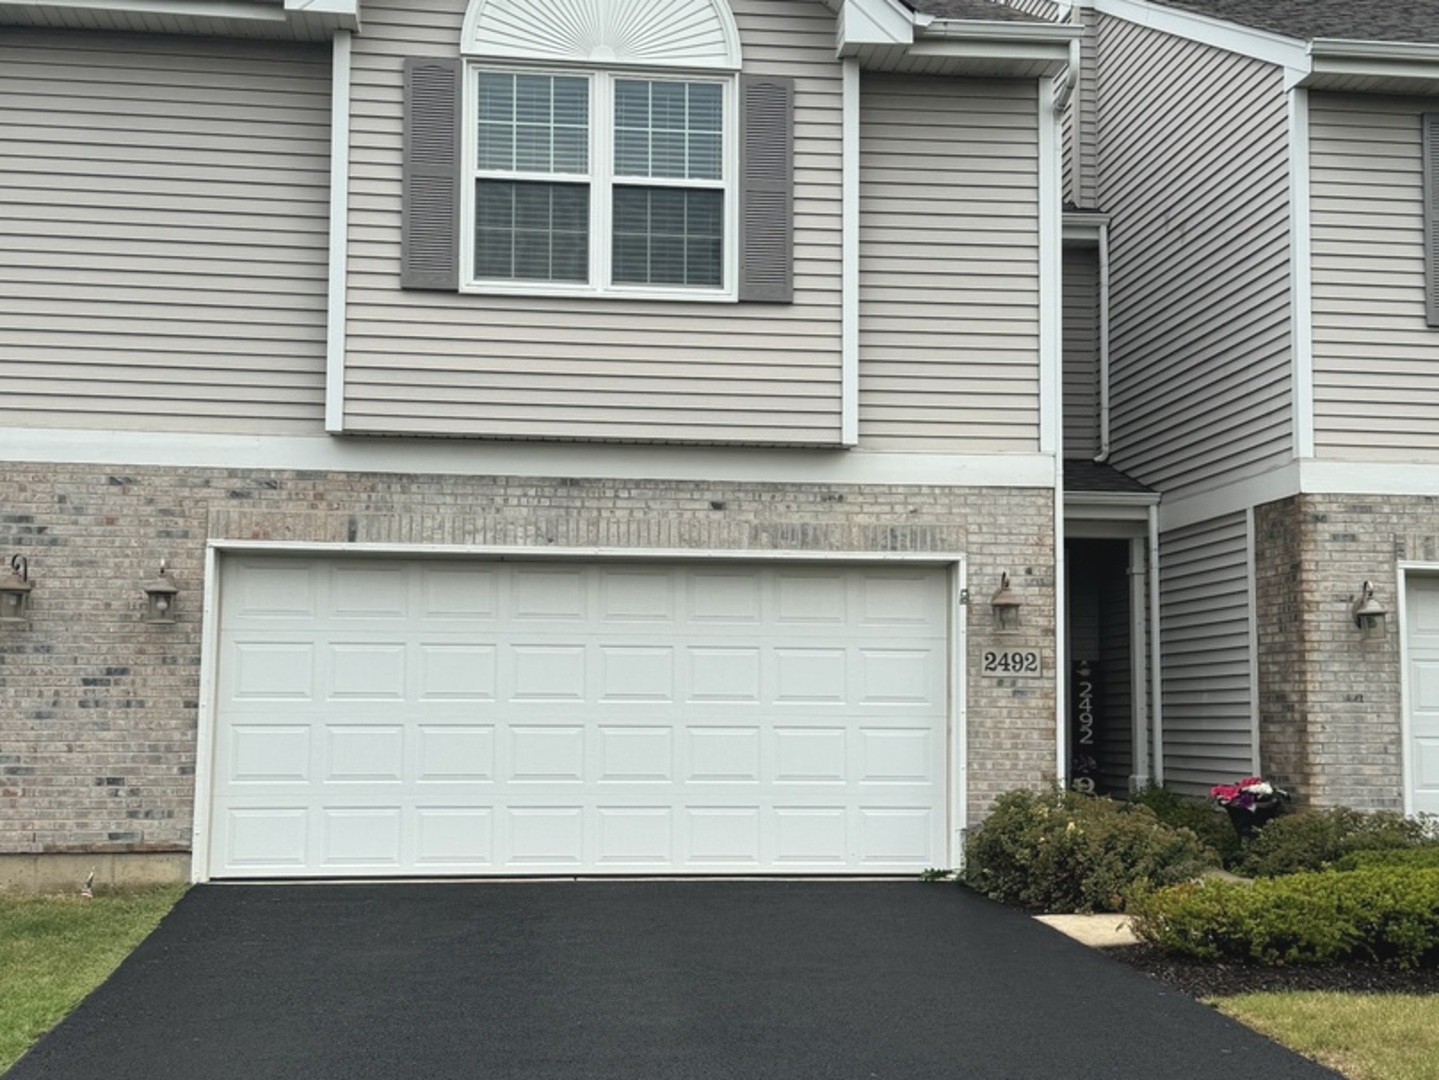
(1390, 914)
(1200, 816)
(1316, 839)
(1416, 858)
(1062, 851)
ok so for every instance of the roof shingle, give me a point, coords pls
(982, 10)
(1356, 20)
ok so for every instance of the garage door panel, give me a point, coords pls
(437, 717)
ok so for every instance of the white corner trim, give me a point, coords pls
(1156, 655)
(339, 233)
(1061, 638)
(1301, 293)
(849, 255)
(1242, 40)
(959, 718)
(205, 721)
(1051, 257)
(466, 457)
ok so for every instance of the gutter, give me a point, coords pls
(1000, 30)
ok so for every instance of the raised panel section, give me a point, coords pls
(459, 836)
(367, 672)
(455, 753)
(373, 754)
(460, 672)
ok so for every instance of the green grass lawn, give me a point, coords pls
(1363, 1036)
(56, 949)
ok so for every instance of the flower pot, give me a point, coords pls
(1245, 821)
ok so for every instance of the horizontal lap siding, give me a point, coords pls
(1376, 385)
(605, 368)
(164, 212)
(949, 268)
(1194, 171)
(1081, 353)
(1204, 596)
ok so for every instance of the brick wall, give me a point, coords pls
(1331, 712)
(98, 710)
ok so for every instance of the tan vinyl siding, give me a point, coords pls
(949, 265)
(1081, 132)
(164, 212)
(1204, 617)
(1081, 352)
(1376, 383)
(1194, 172)
(594, 368)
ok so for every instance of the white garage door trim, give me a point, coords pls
(1408, 572)
(205, 789)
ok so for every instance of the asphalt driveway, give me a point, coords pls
(632, 981)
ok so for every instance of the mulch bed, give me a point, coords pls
(1202, 979)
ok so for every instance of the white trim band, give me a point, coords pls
(454, 457)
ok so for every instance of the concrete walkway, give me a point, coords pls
(633, 981)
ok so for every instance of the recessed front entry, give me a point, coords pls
(398, 717)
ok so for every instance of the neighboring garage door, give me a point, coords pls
(1422, 641)
(463, 717)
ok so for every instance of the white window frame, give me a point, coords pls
(601, 180)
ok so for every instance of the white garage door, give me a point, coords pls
(461, 717)
(1422, 641)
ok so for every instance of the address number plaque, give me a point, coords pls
(1012, 663)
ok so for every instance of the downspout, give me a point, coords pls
(1104, 408)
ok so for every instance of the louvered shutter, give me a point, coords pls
(430, 199)
(766, 202)
(1431, 217)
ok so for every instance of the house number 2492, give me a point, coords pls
(1013, 662)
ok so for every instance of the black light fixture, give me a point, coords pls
(160, 593)
(1006, 606)
(1368, 613)
(15, 591)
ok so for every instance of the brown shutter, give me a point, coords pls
(766, 195)
(430, 199)
(1430, 123)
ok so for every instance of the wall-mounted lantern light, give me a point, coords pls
(15, 591)
(1006, 606)
(160, 595)
(1368, 613)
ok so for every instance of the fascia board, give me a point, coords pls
(326, 15)
(1398, 60)
(1243, 40)
(977, 30)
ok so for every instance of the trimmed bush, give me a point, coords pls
(1316, 839)
(1389, 914)
(1419, 858)
(1200, 816)
(1066, 852)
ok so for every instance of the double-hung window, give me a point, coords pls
(600, 182)
(605, 148)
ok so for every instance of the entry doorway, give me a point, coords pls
(1107, 686)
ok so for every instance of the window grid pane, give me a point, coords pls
(533, 123)
(669, 129)
(531, 231)
(668, 236)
